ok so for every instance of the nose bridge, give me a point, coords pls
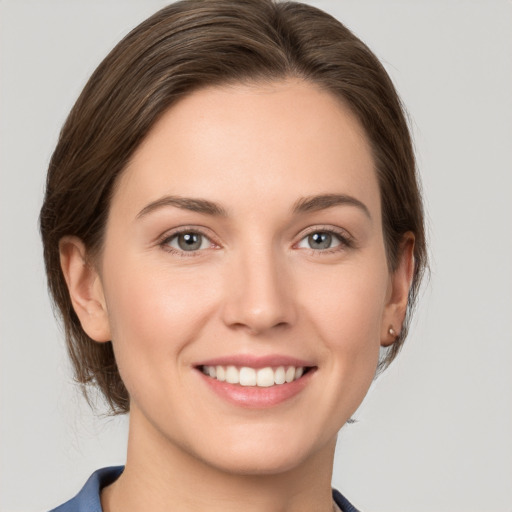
(258, 293)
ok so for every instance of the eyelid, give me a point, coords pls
(345, 238)
(163, 240)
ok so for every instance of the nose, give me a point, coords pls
(258, 293)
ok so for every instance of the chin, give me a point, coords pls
(267, 455)
(258, 464)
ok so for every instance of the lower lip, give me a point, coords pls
(255, 397)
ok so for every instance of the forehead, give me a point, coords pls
(276, 140)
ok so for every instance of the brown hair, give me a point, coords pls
(193, 44)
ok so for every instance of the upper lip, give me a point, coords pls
(253, 361)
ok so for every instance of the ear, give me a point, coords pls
(398, 292)
(85, 288)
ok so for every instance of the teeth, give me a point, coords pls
(232, 375)
(280, 376)
(221, 373)
(247, 376)
(263, 377)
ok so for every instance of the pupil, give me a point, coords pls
(320, 240)
(189, 241)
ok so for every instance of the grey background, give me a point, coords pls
(435, 432)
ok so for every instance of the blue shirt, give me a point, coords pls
(88, 499)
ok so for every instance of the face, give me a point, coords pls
(244, 277)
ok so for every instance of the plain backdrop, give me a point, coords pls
(435, 432)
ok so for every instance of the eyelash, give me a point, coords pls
(164, 243)
(344, 239)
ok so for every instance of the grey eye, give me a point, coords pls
(189, 241)
(319, 240)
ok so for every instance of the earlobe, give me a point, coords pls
(85, 289)
(398, 293)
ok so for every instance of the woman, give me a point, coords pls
(232, 231)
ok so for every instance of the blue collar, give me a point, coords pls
(88, 499)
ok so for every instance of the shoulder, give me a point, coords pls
(88, 499)
(342, 502)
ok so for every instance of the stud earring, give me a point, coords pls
(392, 332)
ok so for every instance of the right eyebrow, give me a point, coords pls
(185, 203)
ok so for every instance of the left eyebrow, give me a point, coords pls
(324, 201)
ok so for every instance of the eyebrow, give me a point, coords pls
(185, 203)
(324, 201)
(303, 205)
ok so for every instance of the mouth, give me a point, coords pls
(247, 376)
(255, 381)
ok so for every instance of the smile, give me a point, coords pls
(257, 377)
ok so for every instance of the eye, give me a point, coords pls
(188, 241)
(322, 240)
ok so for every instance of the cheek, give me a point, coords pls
(351, 300)
(154, 312)
(346, 308)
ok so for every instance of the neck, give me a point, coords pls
(159, 475)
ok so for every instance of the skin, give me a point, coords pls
(254, 287)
